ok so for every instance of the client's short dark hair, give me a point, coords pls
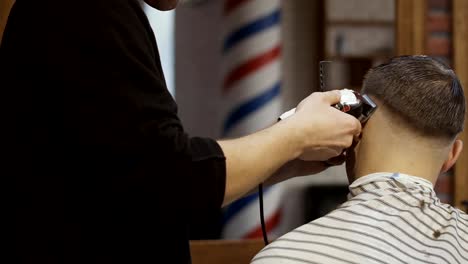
(423, 91)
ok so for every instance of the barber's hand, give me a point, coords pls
(323, 130)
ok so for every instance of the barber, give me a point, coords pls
(103, 171)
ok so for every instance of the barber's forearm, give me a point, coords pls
(252, 159)
(316, 132)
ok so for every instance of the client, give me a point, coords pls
(393, 214)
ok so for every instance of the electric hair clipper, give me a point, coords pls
(355, 104)
(360, 106)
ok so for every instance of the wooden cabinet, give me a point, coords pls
(357, 35)
(410, 27)
(460, 45)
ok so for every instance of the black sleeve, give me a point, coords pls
(136, 113)
(99, 64)
(209, 166)
(102, 164)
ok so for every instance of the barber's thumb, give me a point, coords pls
(332, 97)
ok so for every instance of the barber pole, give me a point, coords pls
(251, 95)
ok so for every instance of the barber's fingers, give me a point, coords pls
(334, 97)
(357, 137)
(350, 126)
(331, 97)
(357, 128)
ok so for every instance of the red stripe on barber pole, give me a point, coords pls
(270, 224)
(251, 66)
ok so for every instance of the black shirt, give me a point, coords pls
(102, 169)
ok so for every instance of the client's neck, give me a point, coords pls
(397, 158)
(386, 149)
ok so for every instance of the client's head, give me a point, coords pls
(421, 110)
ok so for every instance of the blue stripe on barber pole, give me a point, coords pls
(248, 30)
(245, 109)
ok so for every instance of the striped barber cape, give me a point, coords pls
(388, 218)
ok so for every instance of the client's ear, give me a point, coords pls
(453, 155)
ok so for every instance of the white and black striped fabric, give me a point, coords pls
(388, 218)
